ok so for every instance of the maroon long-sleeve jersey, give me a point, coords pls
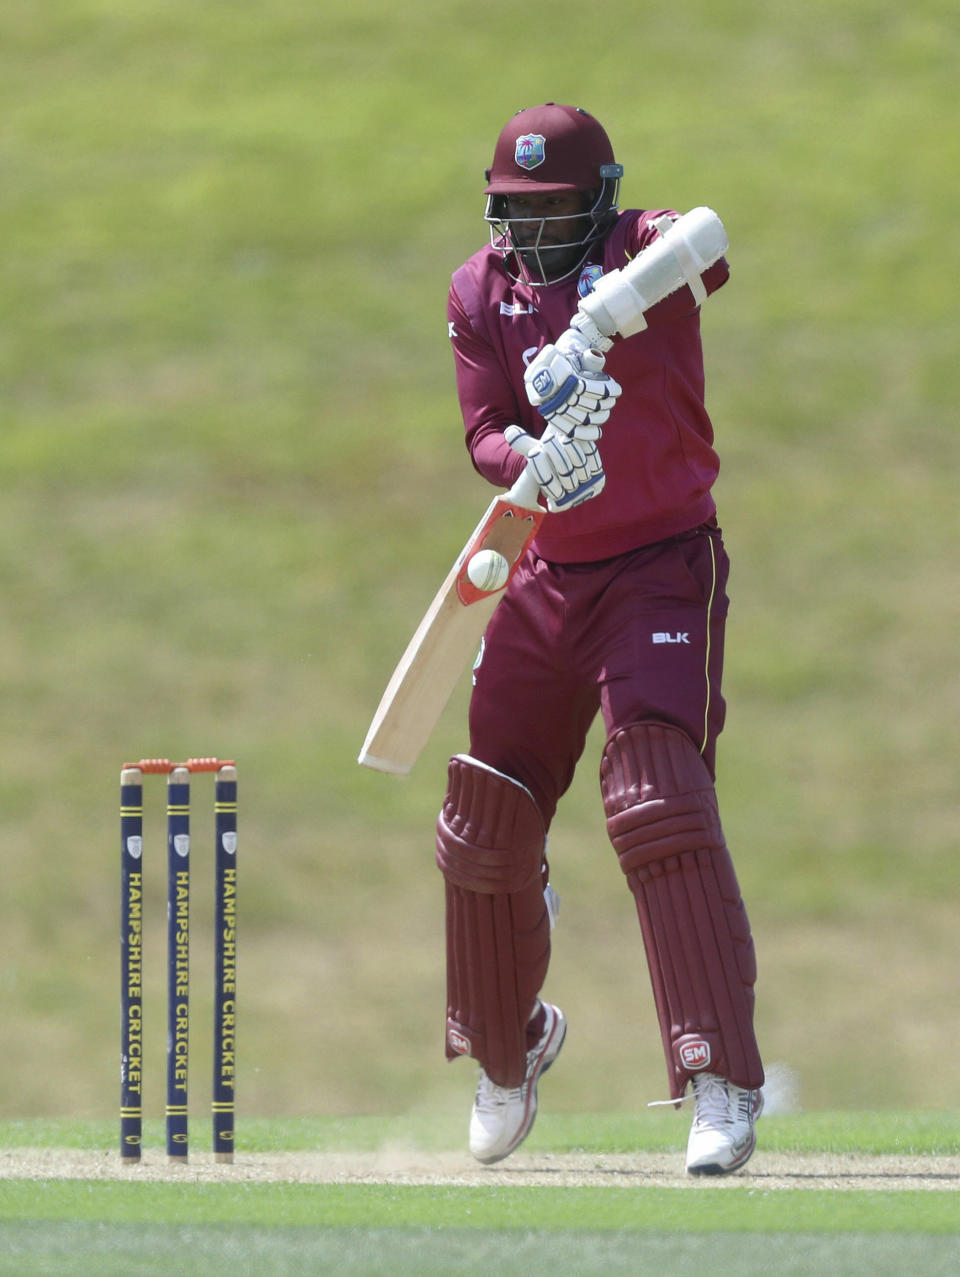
(657, 447)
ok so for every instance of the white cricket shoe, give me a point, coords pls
(502, 1117)
(722, 1136)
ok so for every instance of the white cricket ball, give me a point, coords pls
(488, 570)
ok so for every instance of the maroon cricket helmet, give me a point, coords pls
(548, 150)
(551, 148)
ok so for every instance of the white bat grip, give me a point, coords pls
(526, 491)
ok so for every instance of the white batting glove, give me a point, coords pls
(582, 353)
(589, 333)
(569, 471)
(564, 383)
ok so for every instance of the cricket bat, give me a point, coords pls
(449, 634)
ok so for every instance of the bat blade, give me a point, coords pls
(447, 637)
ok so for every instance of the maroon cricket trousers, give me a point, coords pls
(639, 637)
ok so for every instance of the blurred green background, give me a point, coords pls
(233, 477)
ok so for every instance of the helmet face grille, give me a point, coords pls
(519, 240)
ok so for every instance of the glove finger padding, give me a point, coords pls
(567, 387)
(588, 406)
(569, 471)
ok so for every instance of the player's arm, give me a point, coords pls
(564, 461)
(677, 260)
(487, 400)
(682, 302)
(674, 272)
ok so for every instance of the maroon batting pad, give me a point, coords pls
(663, 821)
(490, 849)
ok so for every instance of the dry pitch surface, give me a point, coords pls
(765, 1172)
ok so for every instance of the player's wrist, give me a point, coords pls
(589, 334)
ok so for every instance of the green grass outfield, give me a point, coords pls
(234, 475)
(732, 1226)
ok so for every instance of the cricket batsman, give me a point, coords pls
(576, 341)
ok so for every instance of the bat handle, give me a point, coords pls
(526, 491)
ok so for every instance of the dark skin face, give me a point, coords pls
(568, 229)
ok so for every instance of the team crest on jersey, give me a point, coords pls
(588, 279)
(529, 152)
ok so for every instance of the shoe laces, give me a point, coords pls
(712, 1101)
(717, 1102)
(720, 1103)
(490, 1097)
